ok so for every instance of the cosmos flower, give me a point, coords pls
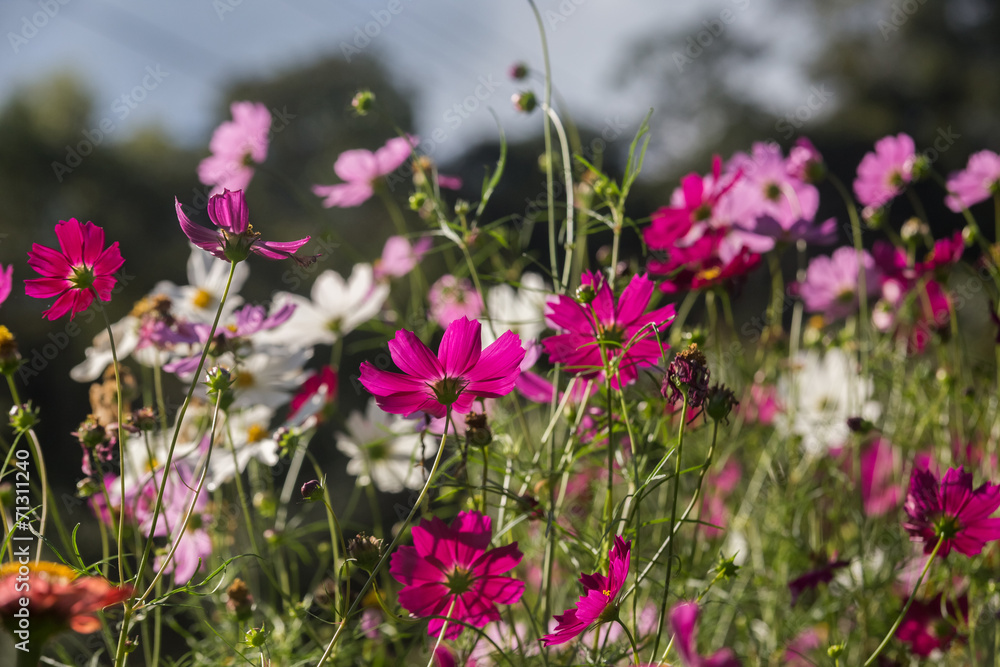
(236, 146)
(952, 510)
(58, 599)
(683, 617)
(399, 256)
(450, 571)
(979, 181)
(599, 603)
(461, 372)
(235, 237)
(451, 298)
(81, 268)
(883, 174)
(622, 331)
(831, 284)
(6, 281)
(361, 169)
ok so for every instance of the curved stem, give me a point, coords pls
(392, 546)
(673, 520)
(906, 607)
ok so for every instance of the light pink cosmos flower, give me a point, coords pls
(236, 145)
(683, 617)
(953, 510)
(82, 268)
(451, 571)
(6, 281)
(360, 169)
(599, 603)
(461, 372)
(624, 330)
(831, 285)
(235, 238)
(399, 257)
(452, 298)
(882, 175)
(979, 181)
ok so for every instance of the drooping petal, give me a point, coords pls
(202, 237)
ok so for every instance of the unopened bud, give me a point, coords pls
(518, 71)
(362, 102)
(312, 491)
(524, 101)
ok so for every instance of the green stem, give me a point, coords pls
(906, 607)
(392, 546)
(673, 520)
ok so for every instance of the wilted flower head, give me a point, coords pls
(81, 268)
(687, 374)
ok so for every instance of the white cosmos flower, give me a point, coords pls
(251, 439)
(269, 376)
(828, 391)
(385, 449)
(98, 355)
(336, 308)
(198, 301)
(521, 311)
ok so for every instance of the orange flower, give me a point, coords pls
(56, 598)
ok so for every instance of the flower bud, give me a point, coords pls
(860, 425)
(363, 102)
(873, 217)
(239, 601)
(417, 201)
(219, 380)
(312, 491)
(365, 550)
(477, 431)
(143, 419)
(524, 101)
(720, 402)
(265, 504)
(10, 358)
(23, 417)
(256, 637)
(969, 235)
(585, 294)
(518, 71)
(462, 207)
(912, 230)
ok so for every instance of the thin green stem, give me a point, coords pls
(906, 607)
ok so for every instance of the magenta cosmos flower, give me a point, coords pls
(235, 238)
(452, 298)
(683, 618)
(831, 284)
(461, 372)
(236, 146)
(6, 282)
(622, 330)
(953, 510)
(450, 571)
(979, 181)
(360, 169)
(599, 603)
(73, 276)
(882, 175)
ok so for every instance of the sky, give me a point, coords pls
(168, 63)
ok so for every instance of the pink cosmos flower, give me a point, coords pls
(6, 281)
(452, 298)
(703, 264)
(953, 510)
(82, 268)
(599, 603)
(683, 617)
(926, 629)
(451, 571)
(762, 406)
(324, 382)
(360, 169)
(461, 372)
(831, 285)
(798, 649)
(691, 205)
(804, 161)
(719, 486)
(399, 257)
(235, 238)
(236, 145)
(979, 181)
(813, 578)
(882, 175)
(622, 330)
(879, 491)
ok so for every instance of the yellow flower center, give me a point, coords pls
(6, 337)
(201, 298)
(256, 433)
(245, 379)
(710, 274)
